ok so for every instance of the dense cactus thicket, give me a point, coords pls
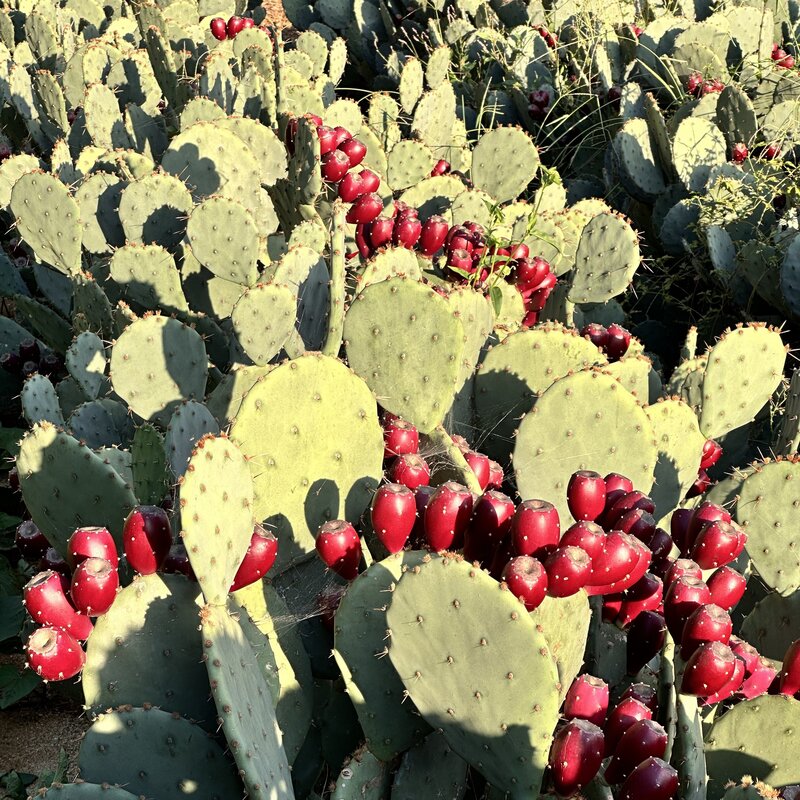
(360, 440)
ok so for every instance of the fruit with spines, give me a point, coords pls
(727, 587)
(258, 560)
(527, 580)
(355, 150)
(644, 693)
(587, 698)
(683, 596)
(54, 654)
(620, 718)
(790, 671)
(708, 670)
(587, 535)
(479, 464)
(624, 503)
(47, 604)
(646, 636)
(95, 583)
(759, 680)
(491, 521)
(730, 687)
(334, 166)
(411, 470)
(91, 542)
(568, 570)
(575, 756)
(365, 209)
(219, 29)
(586, 495)
(683, 568)
(434, 231)
(339, 547)
(704, 513)
(147, 538)
(535, 529)
(654, 779)
(644, 739)
(708, 623)
(400, 438)
(717, 544)
(394, 512)
(447, 515)
(30, 541)
(645, 595)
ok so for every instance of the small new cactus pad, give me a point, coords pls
(687, 750)
(149, 465)
(216, 501)
(476, 667)
(403, 340)
(145, 648)
(190, 422)
(583, 421)
(504, 162)
(430, 769)
(86, 363)
(316, 460)
(40, 401)
(156, 754)
(244, 706)
(263, 319)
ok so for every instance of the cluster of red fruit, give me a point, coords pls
(711, 454)
(781, 57)
(222, 30)
(698, 86)
(551, 40)
(27, 359)
(66, 594)
(635, 743)
(613, 340)
(539, 101)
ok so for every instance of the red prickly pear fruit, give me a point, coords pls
(660, 567)
(682, 598)
(461, 443)
(619, 340)
(459, 259)
(568, 570)
(739, 153)
(710, 667)
(660, 544)
(351, 187)
(394, 512)
(727, 587)
(537, 300)
(717, 544)
(491, 522)
(147, 538)
(433, 234)
(535, 529)
(636, 573)
(339, 547)
(708, 623)
(30, 541)
(406, 232)
(94, 586)
(637, 523)
(530, 319)
(694, 84)
(679, 526)
(219, 29)
(29, 350)
(744, 651)
(644, 693)
(496, 475)
(758, 681)
(47, 604)
(327, 142)
(447, 515)
(369, 180)
(623, 504)
(502, 555)
(479, 464)
(586, 495)
(576, 756)
(598, 336)
(248, 22)
(234, 26)
(365, 209)
(653, 779)
(334, 167)
(380, 232)
(612, 605)
(645, 595)
(589, 536)
(587, 698)
(704, 513)
(771, 152)
(51, 560)
(790, 671)
(700, 486)
(520, 250)
(363, 245)
(441, 167)
(616, 486)
(620, 718)
(527, 580)
(342, 135)
(422, 496)
(616, 560)
(646, 636)
(683, 568)
(530, 273)
(54, 654)
(731, 687)
(645, 738)
(400, 438)
(258, 560)
(13, 476)
(177, 563)
(411, 470)
(91, 543)
(355, 150)
(711, 449)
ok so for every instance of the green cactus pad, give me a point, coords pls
(408, 163)
(363, 777)
(157, 754)
(224, 239)
(101, 423)
(157, 363)
(70, 395)
(145, 649)
(391, 262)
(92, 303)
(382, 120)
(66, 486)
(680, 447)
(755, 737)
(317, 460)
(403, 340)
(698, 145)
(98, 199)
(48, 219)
(263, 143)
(635, 372)
(190, 422)
(430, 769)
(263, 319)
(391, 723)
(504, 162)
(149, 465)
(225, 400)
(583, 421)
(606, 259)
(50, 327)
(245, 708)
(476, 667)
(216, 499)
(641, 172)
(103, 121)
(40, 401)
(687, 751)
(744, 368)
(86, 363)
(736, 116)
(85, 791)
(153, 210)
(433, 195)
(772, 625)
(514, 373)
(147, 275)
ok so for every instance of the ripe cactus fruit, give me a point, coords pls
(708, 623)
(258, 560)
(406, 232)
(526, 579)
(218, 29)
(622, 504)
(365, 209)
(91, 543)
(95, 583)
(683, 568)
(620, 718)
(339, 546)
(759, 680)
(637, 523)
(645, 738)
(683, 596)
(660, 544)
(710, 667)
(679, 525)
(54, 654)
(645, 595)
(52, 560)
(234, 26)
(589, 536)
(717, 544)
(653, 779)
(441, 167)
(586, 495)
(410, 470)
(535, 529)
(177, 563)
(335, 165)
(432, 236)
(479, 464)
(568, 570)
(646, 636)
(30, 541)
(447, 515)
(587, 698)
(496, 475)
(351, 187)
(575, 756)
(616, 486)
(618, 342)
(147, 538)
(616, 560)
(399, 438)
(394, 512)
(47, 604)
(488, 530)
(598, 336)
(790, 671)
(731, 687)
(703, 514)
(355, 150)
(644, 693)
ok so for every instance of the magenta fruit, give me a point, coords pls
(527, 580)
(30, 541)
(587, 698)
(365, 208)
(479, 464)
(411, 470)
(586, 495)
(91, 543)
(535, 529)
(708, 623)
(394, 512)
(727, 587)
(219, 29)
(653, 779)
(575, 756)
(645, 738)
(94, 586)
(710, 667)
(717, 544)
(335, 166)
(447, 515)
(790, 671)
(646, 636)
(54, 654)
(568, 570)
(620, 718)
(147, 538)
(47, 604)
(339, 547)
(400, 438)
(683, 596)
(258, 560)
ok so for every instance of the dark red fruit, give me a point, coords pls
(624, 503)
(496, 475)
(447, 515)
(598, 335)
(637, 523)
(711, 450)
(717, 544)
(94, 586)
(339, 547)
(616, 561)
(679, 526)
(234, 26)
(660, 544)
(616, 486)
(645, 595)
(731, 687)
(369, 180)
(586, 495)
(406, 232)
(759, 679)
(334, 166)
(491, 522)
(575, 756)
(618, 342)
(218, 29)
(351, 188)
(653, 779)
(54, 655)
(258, 560)
(356, 151)
(694, 84)
(177, 563)
(327, 141)
(45, 601)
(11, 362)
(526, 579)
(342, 135)
(682, 598)
(479, 464)
(434, 232)
(643, 739)
(700, 486)
(380, 232)
(568, 570)
(147, 538)
(727, 587)
(29, 350)
(683, 568)
(637, 571)
(620, 718)
(30, 541)
(365, 208)
(535, 529)
(459, 259)
(710, 667)
(410, 470)
(645, 639)
(91, 543)
(587, 698)
(394, 512)
(52, 560)
(644, 693)
(739, 153)
(589, 536)
(790, 671)
(441, 167)
(399, 438)
(708, 623)
(704, 513)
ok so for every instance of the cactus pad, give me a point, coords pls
(153, 210)
(430, 769)
(86, 363)
(149, 465)
(504, 162)
(772, 625)
(263, 319)
(40, 401)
